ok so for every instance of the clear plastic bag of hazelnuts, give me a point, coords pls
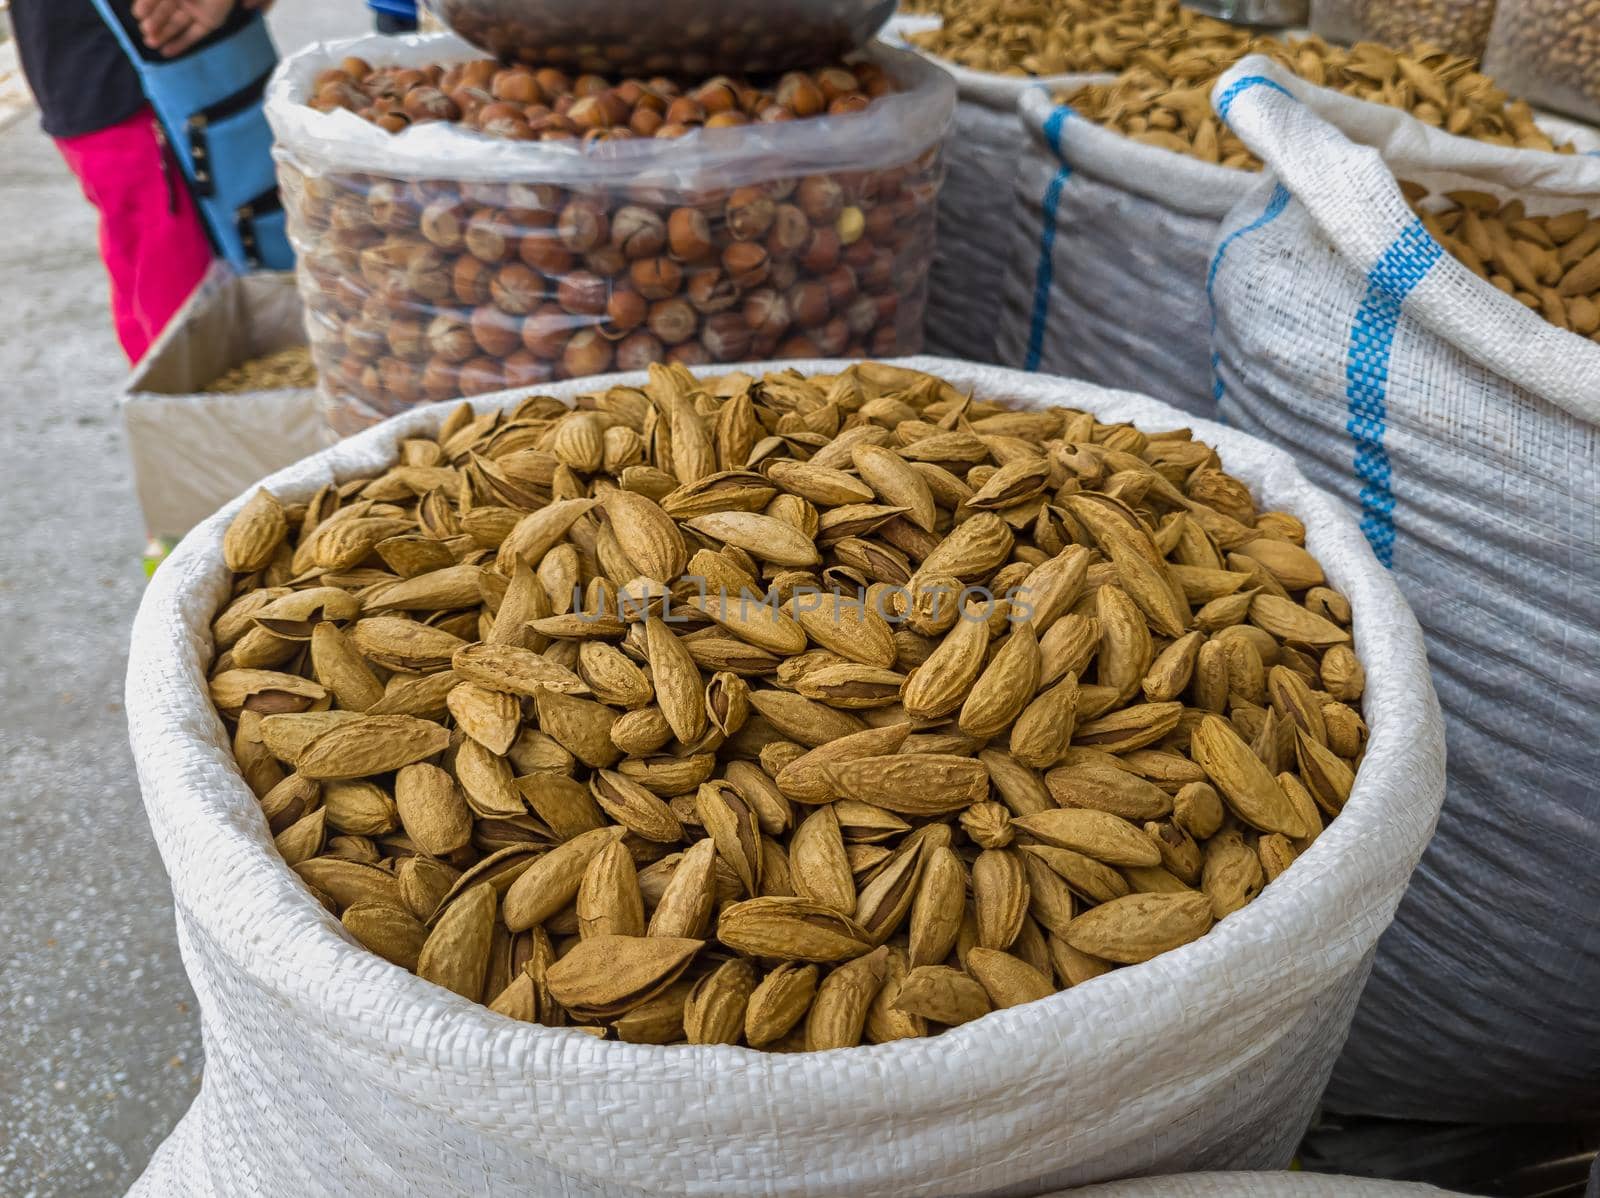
(465, 227)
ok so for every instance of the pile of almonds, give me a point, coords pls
(430, 289)
(792, 712)
(523, 103)
(1549, 263)
(289, 367)
(1165, 99)
(1052, 37)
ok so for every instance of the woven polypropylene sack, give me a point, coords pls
(330, 1071)
(1463, 428)
(1106, 264)
(977, 205)
(1257, 1185)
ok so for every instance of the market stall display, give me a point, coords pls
(1457, 414)
(531, 225)
(1125, 185)
(1549, 50)
(1285, 969)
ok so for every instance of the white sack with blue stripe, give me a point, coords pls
(330, 1071)
(1465, 432)
(1108, 255)
(977, 210)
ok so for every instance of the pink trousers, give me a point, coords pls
(151, 239)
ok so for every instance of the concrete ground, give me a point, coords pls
(102, 1048)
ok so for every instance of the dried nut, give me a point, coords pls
(663, 714)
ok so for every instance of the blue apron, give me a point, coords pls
(209, 103)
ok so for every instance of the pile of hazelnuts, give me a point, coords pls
(422, 290)
(524, 103)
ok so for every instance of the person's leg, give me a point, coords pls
(151, 240)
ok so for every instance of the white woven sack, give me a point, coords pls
(1463, 428)
(330, 1071)
(1257, 1185)
(1111, 246)
(977, 205)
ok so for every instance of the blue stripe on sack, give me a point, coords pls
(1044, 272)
(1398, 271)
(1225, 101)
(1276, 203)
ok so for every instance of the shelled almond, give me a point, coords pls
(793, 712)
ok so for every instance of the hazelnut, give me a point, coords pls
(773, 113)
(589, 112)
(790, 231)
(799, 93)
(469, 280)
(766, 312)
(545, 332)
(820, 198)
(552, 82)
(747, 264)
(582, 225)
(861, 315)
(798, 346)
(496, 333)
(389, 205)
(480, 72)
(441, 224)
(888, 305)
(685, 111)
(586, 353)
(690, 353)
(552, 126)
(399, 381)
(392, 122)
(832, 337)
(430, 104)
(880, 222)
(484, 236)
(607, 261)
(689, 234)
(836, 81)
(709, 290)
(425, 274)
(542, 250)
(726, 120)
(841, 285)
(717, 95)
(363, 340)
(672, 320)
(822, 252)
(844, 105)
(480, 376)
(638, 350)
(646, 122)
(763, 346)
(808, 304)
(672, 130)
(638, 232)
(541, 201)
(440, 379)
(469, 100)
(726, 337)
(516, 289)
(522, 369)
(749, 213)
(582, 293)
(626, 310)
(784, 274)
(879, 273)
(405, 337)
(656, 278)
(450, 338)
(630, 92)
(357, 68)
(886, 343)
(517, 85)
(502, 119)
(589, 85)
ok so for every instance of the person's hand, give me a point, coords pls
(170, 27)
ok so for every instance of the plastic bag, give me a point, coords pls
(1548, 51)
(1257, 1185)
(1336, 20)
(1466, 431)
(330, 1071)
(441, 262)
(1459, 26)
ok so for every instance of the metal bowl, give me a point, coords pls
(691, 38)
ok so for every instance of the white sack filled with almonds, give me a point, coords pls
(1418, 324)
(559, 738)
